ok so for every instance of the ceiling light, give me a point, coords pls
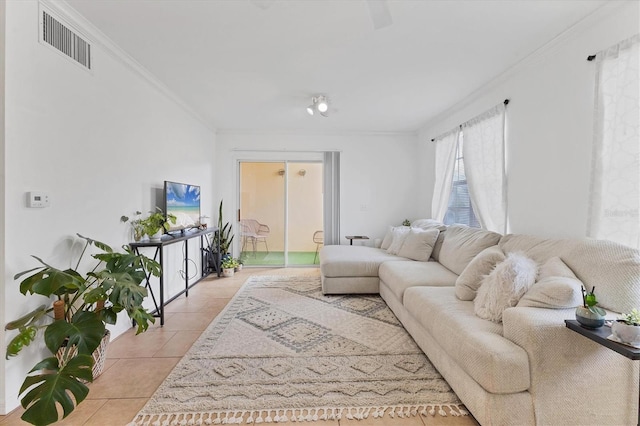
(319, 103)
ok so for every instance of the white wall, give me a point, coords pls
(550, 125)
(378, 173)
(101, 144)
(2, 191)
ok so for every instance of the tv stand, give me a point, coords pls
(168, 239)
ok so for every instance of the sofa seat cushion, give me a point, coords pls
(476, 345)
(353, 261)
(399, 276)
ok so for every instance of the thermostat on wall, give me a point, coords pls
(37, 199)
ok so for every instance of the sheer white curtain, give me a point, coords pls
(615, 176)
(331, 201)
(484, 161)
(446, 146)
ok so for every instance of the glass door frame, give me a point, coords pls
(274, 157)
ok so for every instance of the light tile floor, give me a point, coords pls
(136, 365)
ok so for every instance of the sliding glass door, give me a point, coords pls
(304, 212)
(280, 217)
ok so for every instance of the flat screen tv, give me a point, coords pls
(183, 201)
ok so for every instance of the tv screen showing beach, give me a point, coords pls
(182, 201)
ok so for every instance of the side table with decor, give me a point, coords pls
(355, 237)
(601, 336)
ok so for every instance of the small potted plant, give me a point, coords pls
(228, 266)
(406, 222)
(136, 225)
(589, 315)
(73, 326)
(153, 225)
(239, 264)
(627, 328)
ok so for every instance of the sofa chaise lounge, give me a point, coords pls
(529, 368)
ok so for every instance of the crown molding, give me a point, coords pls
(300, 132)
(537, 55)
(97, 37)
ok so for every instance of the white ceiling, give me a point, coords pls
(245, 67)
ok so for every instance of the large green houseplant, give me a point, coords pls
(74, 324)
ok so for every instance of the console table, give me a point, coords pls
(169, 239)
(599, 335)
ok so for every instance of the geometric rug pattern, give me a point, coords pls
(282, 351)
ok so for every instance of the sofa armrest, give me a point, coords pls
(573, 379)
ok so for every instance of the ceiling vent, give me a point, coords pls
(63, 39)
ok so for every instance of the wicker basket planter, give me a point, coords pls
(99, 355)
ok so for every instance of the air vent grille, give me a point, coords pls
(66, 41)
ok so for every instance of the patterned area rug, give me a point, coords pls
(282, 351)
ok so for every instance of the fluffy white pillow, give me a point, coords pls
(399, 233)
(557, 287)
(504, 286)
(471, 278)
(388, 237)
(419, 243)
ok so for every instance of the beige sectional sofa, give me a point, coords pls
(528, 369)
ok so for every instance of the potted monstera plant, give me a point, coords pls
(73, 324)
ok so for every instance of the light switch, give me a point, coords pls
(37, 199)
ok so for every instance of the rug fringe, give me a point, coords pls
(283, 415)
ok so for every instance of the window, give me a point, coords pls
(474, 193)
(460, 209)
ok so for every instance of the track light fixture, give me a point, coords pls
(319, 103)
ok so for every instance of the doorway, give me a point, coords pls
(280, 216)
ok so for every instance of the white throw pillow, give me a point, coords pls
(388, 237)
(504, 286)
(419, 243)
(471, 278)
(399, 233)
(557, 287)
(428, 224)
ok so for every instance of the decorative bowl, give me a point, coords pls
(589, 319)
(629, 334)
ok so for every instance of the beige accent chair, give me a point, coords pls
(254, 232)
(318, 238)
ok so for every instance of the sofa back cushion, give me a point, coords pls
(614, 269)
(419, 243)
(388, 237)
(557, 287)
(461, 244)
(398, 235)
(435, 254)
